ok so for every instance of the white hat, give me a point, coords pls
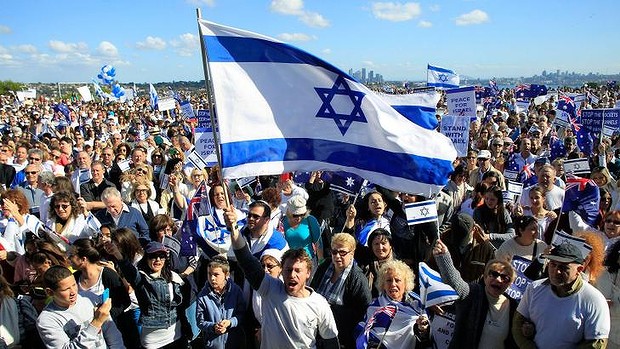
(273, 252)
(296, 205)
(484, 154)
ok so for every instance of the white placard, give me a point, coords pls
(205, 143)
(442, 328)
(124, 165)
(457, 129)
(85, 93)
(166, 104)
(461, 101)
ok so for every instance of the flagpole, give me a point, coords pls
(212, 109)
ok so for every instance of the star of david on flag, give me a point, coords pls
(441, 77)
(421, 212)
(307, 115)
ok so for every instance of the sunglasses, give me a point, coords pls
(254, 216)
(140, 171)
(63, 206)
(160, 256)
(612, 221)
(497, 145)
(31, 172)
(341, 253)
(299, 215)
(156, 156)
(34, 159)
(494, 274)
(269, 266)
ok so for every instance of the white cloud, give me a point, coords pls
(5, 29)
(435, 8)
(186, 44)
(107, 49)
(396, 11)
(151, 43)
(327, 51)
(67, 47)
(296, 8)
(314, 19)
(425, 24)
(288, 7)
(473, 17)
(369, 64)
(26, 48)
(209, 3)
(295, 37)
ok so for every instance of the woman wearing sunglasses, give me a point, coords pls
(141, 173)
(483, 311)
(68, 221)
(158, 290)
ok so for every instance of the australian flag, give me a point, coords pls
(558, 150)
(584, 139)
(381, 318)
(345, 182)
(64, 110)
(494, 89)
(566, 104)
(482, 92)
(582, 196)
(530, 90)
(197, 206)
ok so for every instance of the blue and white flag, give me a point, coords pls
(442, 77)
(300, 113)
(421, 212)
(419, 107)
(433, 291)
(153, 96)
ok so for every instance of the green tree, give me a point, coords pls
(8, 85)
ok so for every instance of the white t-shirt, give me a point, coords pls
(511, 247)
(497, 324)
(563, 322)
(553, 198)
(292, 322)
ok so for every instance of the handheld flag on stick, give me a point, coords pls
(582, 196)
(433, 291)
(153, 97)
(307, 115)
(421, 212)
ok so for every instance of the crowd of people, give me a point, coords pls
(94, 252)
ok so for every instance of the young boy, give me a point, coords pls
(221, 308)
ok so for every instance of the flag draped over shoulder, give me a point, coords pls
(281, 109)
(442, 77)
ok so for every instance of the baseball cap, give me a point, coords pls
(565, 253)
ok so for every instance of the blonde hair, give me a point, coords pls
(399, 268)
(344, 239)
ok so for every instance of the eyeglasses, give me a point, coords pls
(34, 159)
(62, 206)
(471, 157)
(299, 215)
(160, 256)
(503, 277)
(612, 221)
(254, 216)
(141, 171)
(31, 172)
(498, 145)
(341, 253)
(269, 266)
(142, 190)
(197, 175)
(4, 150)
(155, 156)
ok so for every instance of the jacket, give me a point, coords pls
(213, 308)
(157, 308)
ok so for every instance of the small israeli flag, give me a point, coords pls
(421, 212)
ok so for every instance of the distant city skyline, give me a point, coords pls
(157, 40)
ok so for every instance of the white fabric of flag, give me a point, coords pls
(281, 109)
(153, 96)
(85, 93)
(421, 212)
(433, 291)
(577, 166)
(441, 77)
(419, 107)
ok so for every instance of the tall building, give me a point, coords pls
(371, 76)
(363, 74)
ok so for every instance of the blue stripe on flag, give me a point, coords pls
(439, 69)
(421, 116)
(418, 204)
(231, 49)
(440, 293)
(407, 166)
(431, 274)
(422, 220)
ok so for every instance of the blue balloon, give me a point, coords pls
(118, 91)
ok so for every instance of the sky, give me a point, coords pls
(157, 40)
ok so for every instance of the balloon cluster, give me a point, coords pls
(107, 76)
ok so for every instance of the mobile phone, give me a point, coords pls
(105, 295)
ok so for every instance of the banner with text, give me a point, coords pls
(517, 288)
(205, 144)
(457, 129)
(462, 101)
(593, 119)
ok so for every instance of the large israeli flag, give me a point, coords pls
(419, 107)
(442, 77)
(281, 109)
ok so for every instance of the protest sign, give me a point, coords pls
(442, 328)
(166, 104)
(593, 119)
(457, 129)
(461, 101)
(205, 143)
(517, 288)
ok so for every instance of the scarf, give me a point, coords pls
(333, 292)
